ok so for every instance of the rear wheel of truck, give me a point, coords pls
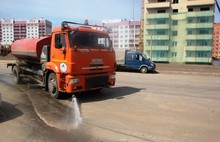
(16, 76)
(53, 86)
(144, 69)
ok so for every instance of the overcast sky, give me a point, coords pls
(72, 10)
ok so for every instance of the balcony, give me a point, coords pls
(158, 16)
(199, 37)
(160, 59)
(157, 37)
(201, 14)
(157, 26)
(200, 2)
(198, 48)
(160, 48)
(199, 25)
(157, 5)
(197, 60)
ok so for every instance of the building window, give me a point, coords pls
(174, 54)
(161, 11)
(161, 21)
(201, 54)
(175, 22)
(204, 9)
(175, 1)
(160, 54)
(203, 20)
(160, 43)
(189, 20)
(189, 32)
(161, 32)
(174, 33)
(203, 31)
(175, 10)
(189, 43)
(190, 9)
(174, 44)
(188, 54)
(204, 43)
(161, 0)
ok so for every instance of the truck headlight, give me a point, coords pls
(112, 76)
(74, 80)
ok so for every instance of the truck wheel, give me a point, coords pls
(144, 70)
(16, 76)
(53, 86)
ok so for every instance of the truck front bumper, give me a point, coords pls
(89, 82)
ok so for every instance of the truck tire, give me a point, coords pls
(16, 76)
(53, 86)
(144, 70)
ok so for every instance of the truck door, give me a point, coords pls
(138, 61)
(129, 61)
(58, 54)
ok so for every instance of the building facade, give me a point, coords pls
(11, 29)
(178, 31)
(216, 41)
(123, 33)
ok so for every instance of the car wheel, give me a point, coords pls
(144, 69)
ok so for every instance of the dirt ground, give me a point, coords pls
(154, 107)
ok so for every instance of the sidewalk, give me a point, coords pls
(188, 69)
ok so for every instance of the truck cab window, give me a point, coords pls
(89, 40)
(60, 41)
(138, 57)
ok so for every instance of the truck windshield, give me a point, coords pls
(89, 40)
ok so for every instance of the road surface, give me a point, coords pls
(140, 108)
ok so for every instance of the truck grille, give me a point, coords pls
(98, 81)
(96, 67)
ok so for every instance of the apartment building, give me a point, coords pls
(11, 29)
(123, 33)
(216, 41)
(178, 31)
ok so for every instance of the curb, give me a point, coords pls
(190, 73)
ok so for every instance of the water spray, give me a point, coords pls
(76, 110)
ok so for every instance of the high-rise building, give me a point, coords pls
(178, 31)
(216, 41)
(11, 29)
(123, 33)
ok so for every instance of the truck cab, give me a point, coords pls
(134, 60)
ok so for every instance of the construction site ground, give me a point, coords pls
(178, 103)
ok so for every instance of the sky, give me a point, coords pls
(70, 10)
(73, 10)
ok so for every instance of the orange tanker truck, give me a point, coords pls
(70, 60)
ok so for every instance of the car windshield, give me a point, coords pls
(89, 40)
